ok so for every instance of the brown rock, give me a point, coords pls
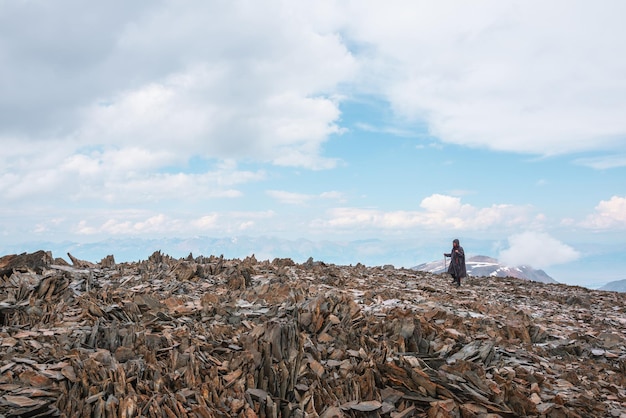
(208, 336)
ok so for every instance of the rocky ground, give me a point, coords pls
(208, 337)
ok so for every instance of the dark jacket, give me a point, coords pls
(457, 263)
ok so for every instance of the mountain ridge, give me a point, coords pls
(482, 265)
(615, 286)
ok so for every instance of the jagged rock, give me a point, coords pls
(80, 263)
(209, 337)
(23, 262)
(108, 262)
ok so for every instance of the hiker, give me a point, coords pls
(457, 263)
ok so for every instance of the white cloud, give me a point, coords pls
(265, 80)
(604, 162)
(117, 113)
(246, 225)
(152, 114)
(153, 224)
(439, 211)
(537, 249)
(136, 223)
(289, 198)
(122, 176)
(301, 199)
(116, 161)
(172, 187)
(207, 87)
(334, 195)
(393, 130)
(190, 114)
(206, 222)
(515, 76)
(443, 204)
(608, 214)
(83, 228)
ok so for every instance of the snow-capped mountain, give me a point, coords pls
(481, 265)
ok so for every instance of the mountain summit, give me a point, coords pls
(481, 265)
(210, 336)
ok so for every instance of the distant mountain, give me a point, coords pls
(616, 286)
(481, 265)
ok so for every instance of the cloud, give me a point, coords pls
(334, 195)
(207, 222)
(439, 211)
(291, 198)
(190, 114)
(119, 115)
(393, 130)
(130, 226)
(604, 162)
(512, 76)
(537, 249)
(265, 81)
(228, 80)
(58, 62)
(122, 176)
(145, 223)
(608, 214)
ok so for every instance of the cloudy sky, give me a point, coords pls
(501, 123)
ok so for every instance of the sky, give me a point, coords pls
(408, 124)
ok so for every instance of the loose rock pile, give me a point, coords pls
(210, 337)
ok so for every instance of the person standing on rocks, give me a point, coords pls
(457, 267)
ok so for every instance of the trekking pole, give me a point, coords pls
(444, 264)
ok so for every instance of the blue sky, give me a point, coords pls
(407, 123)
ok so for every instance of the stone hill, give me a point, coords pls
(481, 265)
(208, 336)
